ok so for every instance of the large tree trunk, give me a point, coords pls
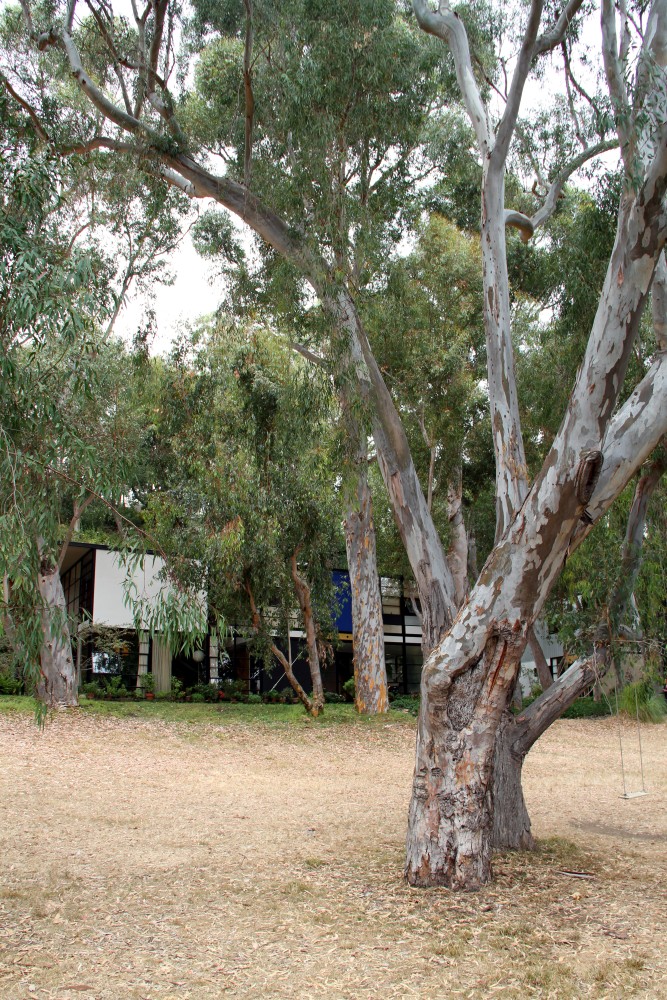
(451, 813)
(511, 822)
(56, 686)
(370, 672)
(517, 735)
(303, 596)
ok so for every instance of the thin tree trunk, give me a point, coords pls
(511, 822)
(370, 672)
(280, 656)
(543, 670)
(56, 686)
(303, 596)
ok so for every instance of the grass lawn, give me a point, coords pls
(174, 851)
(222, 713)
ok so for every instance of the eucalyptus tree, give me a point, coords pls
(601, 442)
(247, 496)
(63, 446)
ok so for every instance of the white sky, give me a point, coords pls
(192, 295)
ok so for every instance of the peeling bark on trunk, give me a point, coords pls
(451, 812)
(516, 735)
(56, 687)
(303, 596)
(370, 672)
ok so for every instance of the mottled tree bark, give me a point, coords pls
(370, 672)
(56, 686)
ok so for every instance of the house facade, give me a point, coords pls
(95, 582)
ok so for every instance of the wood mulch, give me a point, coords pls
(163, 861)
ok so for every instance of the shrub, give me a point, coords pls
(233, 689)
(333, 698)
(198, 697)
(640, 698)
(10, 685)
(349, 690)
(406, 703)
(115, 688)
(208, 692)
(254, 699)
(587, 708)
(92, 689)
(147, 682)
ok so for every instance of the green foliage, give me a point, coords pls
(640, 700)
(147, 683)
(333, 698)
(349, 689)
(406, 703)
(246, 480)
(10, 685)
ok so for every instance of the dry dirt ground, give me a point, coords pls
(162, 861)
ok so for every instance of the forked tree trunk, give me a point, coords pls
(305, 603)
(516, 736)
(511, 822)
(56, 686)
(370, 672)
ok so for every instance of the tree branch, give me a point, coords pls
(550, 39)
(615, 82)
(505, 130)
(558, 183)
(249, 95)
(39, 129)
(449, 27)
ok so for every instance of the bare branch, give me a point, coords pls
(27, 17)
(39, 129)
(549, 207)
(506, 128)
(448, 26)
(98, 142)
(73, 526)
(659, 303)
(521, 222)
(552, 38)
(249, 95)
(69, 19)
(309, 355)
(615, 82)
(633, 433)
(116, 61)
